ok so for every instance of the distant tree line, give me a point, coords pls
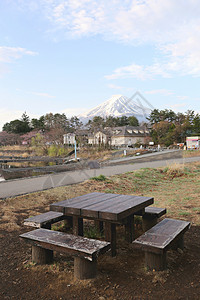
(57, 121)
(45, 123)
(100, 123)
(168, 127)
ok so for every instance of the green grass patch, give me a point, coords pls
(92, 232)
(99, 178)
(184, 213)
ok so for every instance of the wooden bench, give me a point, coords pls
(156, 241)
(151, 216)
(84, 250)
(44, 220)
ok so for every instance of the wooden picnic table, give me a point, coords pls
(104, 207)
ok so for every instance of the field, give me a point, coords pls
(176, 187)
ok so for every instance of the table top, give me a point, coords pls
(102, 206)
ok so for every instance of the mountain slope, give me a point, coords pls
(117, 106)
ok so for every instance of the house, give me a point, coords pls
(128, 136)
(69, 139)
(100, 137)
(120, 136)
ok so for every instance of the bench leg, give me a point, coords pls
(179, 243)
(148, 223)
(84, 269)
(110, 236)
(41, 256)
(77, 226)
(129, 229)
(155, 261)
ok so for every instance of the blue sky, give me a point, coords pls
(70, 56)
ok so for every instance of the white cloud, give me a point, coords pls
(9, 54)
(171, 26)
(140, 72)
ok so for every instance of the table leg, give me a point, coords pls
(110, 236)
(99, 225)
(129, 229)
(77, 226)
(68, 222)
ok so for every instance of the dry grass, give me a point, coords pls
(177, 188)
(191, 153)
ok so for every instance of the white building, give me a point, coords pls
(69, 139)
(123, 136)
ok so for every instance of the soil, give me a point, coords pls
(120, 277)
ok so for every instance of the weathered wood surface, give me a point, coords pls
(90, 208)
(154, 212)
(125, 206)
(44, 219)
(62, 206)
(113, 207)
(66, 243)
(162, 236)
(77, 226)
(85, 269)
(110, 236)
(41, 256)
(155, 261)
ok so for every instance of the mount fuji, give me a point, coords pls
(118, 106)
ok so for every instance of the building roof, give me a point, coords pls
(130, 131)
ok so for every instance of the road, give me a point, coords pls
(28, 185)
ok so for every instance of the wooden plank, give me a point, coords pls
(110, 202)
(92, 210)
(77, 208)
(41, 220)
(162, 236)
(66, 243)
(156, 212)
(60, 206)
(130, 205)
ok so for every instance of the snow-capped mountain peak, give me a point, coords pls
(117, 106)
